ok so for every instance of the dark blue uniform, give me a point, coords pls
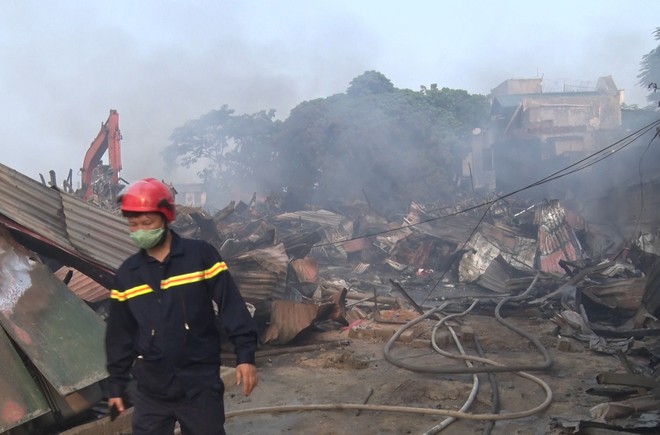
(162, 330)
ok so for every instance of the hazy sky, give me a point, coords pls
(64, 64)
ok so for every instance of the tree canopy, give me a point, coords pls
(374, 142)
(649, 75)
(371, 82)
(234, 149)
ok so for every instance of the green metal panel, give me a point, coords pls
(58, 332)
(20, 397)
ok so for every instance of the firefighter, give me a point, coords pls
(162, 326)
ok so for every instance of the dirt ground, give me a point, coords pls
(357, 371)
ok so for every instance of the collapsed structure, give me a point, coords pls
(320, 269)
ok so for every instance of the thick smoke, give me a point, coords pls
(65, 64)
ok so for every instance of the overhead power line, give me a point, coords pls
(580, 165)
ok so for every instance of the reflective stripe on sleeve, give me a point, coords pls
(130, 293)
(173, 281)
(189, 278)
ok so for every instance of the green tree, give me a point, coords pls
(374, 142)
(649, 75)
(469, 109)
(370, 82)
(235, 150)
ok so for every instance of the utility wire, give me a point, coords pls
(580, 165)
(584, 163)
(575, 167)
(641, 185)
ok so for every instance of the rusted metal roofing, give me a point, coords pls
(261, 273)
(83, 286)
(556, 239)
(307, 270)
(63, 220)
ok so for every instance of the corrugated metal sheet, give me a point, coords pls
(288, 319)
(556, 239)
(261, 274)
(454, 229)
(64, 220)
(83, 286)
(474, 264)
(31, 205)
(517, 250)
(96, 233)
(61, 335)
(21, 400)
(322, 217)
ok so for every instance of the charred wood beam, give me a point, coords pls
(571, 283)
(407, 296)
(634, 333)
(615, 393)
(298, 244)
(225, 212)
(208, 230)
(626, 408)
(361, 296)
(628, 379)
(626, 363)
(570, 267)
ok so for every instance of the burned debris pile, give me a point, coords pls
(357, 267)
(320, 269)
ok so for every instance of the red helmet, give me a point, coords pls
(148, 195)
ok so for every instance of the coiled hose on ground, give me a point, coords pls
(493, 367)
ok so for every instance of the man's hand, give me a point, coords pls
(118, 404)
(247, 375)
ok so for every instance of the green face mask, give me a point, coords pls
(147, 239)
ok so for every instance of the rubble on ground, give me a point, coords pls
(600, 292)
(348, 268)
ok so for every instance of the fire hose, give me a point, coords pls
(494, 367)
